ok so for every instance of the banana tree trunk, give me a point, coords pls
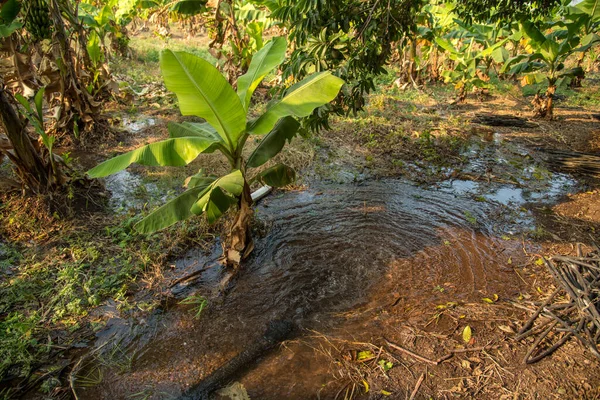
(31, 168)
(78, 104)
(238, 244)
(413, 60)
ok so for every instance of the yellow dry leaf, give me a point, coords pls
(366, 385)
(467, 334)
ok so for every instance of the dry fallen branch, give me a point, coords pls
(417, 386)
(556, 320)
(441, 359)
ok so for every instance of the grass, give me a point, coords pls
(143, 68)
(400, 130)
(53, 285)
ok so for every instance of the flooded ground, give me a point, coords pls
(352, 261)
(327, 255)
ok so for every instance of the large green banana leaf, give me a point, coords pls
(591, 8)
(174, 211)
(214, 201)
(196, 129)
(204, 92)
(217, 202)
(446, 45)
(175, 152)
(301, 99)
(200, 130)
(549, 49)
(262, 63)
(285, 129)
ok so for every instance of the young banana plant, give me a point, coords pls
(546, 60)
(586, 14)
(467, 59)
(203, 91)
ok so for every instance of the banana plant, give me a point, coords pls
(466, 72)
(486, 36)
(585, 14)
(545, 62)
(204, 92)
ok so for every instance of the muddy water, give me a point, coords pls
(328, 251)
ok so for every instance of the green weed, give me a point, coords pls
(198, 302)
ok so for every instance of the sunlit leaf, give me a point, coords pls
(271, 55)
(285, 130)
(175, 152)
(467, 334)
(204, 92)
(300, 100)
(175, 210)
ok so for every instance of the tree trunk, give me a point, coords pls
(32, 170)
(413, 61)
(550, 102)
(78, 98)
(238, 244)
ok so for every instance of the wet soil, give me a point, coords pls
(350, 263)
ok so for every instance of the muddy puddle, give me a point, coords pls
(327, 256)
(128, 191)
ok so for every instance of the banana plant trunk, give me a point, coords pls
(550, 101)
(238, 243)
(75, 99)
(34, 173)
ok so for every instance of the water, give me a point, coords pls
(332, 251)
(329, 250)
(547, 191)
(138, 124)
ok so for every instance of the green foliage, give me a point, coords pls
(355, 39)
(502, 10)
(198, 302)
(188, 7)
(56, 289)
(202, 91)
(549, 51)
(8, 15)
(19, 348)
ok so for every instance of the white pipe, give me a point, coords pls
(260, 193)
